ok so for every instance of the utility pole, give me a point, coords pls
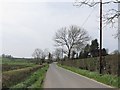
(100, 51)
(62, 56)
(62, 53)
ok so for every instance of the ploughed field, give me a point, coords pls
(22, 73)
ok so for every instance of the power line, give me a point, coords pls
(88, 17)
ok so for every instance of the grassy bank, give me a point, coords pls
(106, 79)
(34, 81)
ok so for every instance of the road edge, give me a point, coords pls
(86, 77)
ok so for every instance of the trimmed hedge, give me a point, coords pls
(8, 67)
(110, 64)
(34, 81)
(13, 77)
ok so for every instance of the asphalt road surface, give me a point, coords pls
(58, 77)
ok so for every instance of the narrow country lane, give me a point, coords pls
(58, 77)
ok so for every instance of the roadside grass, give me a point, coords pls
(111, 80)
(34, 81)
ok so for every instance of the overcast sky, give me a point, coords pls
(32, 24)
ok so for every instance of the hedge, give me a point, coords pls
(13, 77)
(110, 64)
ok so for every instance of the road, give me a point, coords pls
(58, 77)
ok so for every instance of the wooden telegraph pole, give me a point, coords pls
(100, 51)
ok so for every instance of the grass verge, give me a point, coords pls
(34, 81)
(106, 79)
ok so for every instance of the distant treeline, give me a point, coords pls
(11, 57)
(7, 56)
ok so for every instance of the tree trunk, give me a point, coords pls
(69, 54)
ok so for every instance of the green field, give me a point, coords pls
(16, 72)
(19, 61)
(12, 64)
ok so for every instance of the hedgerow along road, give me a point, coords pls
(57, 77)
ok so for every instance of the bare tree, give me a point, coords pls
(40, 55)
(116, 52)
(37, 54)
(45, 53)
(72, 38)
(92, 3)
(58, 53)
(110, 17)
